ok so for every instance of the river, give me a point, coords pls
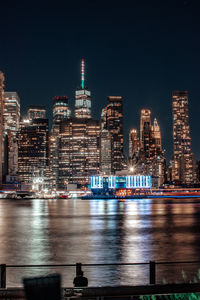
(100, 231)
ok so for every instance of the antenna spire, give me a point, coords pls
(82, 73)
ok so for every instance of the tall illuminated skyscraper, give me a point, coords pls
(32, 150)
(61, 112)
(182, 169)
(1, 124)
(78, 155)
(134, 143)
(145, 129)
(78, 150)
(11, 118)
(82, 97)
(147, 154)
(113, 122)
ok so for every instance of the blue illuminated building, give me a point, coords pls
(126, 185)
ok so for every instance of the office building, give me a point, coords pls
(11, 118)
(112, 119)
(1, 125)
(36, 112)
(134, 143)
(147, 155)
(105, 152)
(61, 112)
(32, 150)
(78, 156)
(183, 166)
(145, 128)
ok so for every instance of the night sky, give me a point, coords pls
(141, 50)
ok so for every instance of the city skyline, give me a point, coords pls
(73, 110)
(141, 51)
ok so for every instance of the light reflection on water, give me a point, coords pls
(100, 231)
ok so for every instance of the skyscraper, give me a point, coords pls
(147, 154)
(105, 152)
(83, 97)
(113, 122)
(78, 150)
(11, 118)
(134, 144)
(61, 110)
(156, 153)
(145, 129)
(36, 112)
(1, 124)
(182, 169)
(32, 150)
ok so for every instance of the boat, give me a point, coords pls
(65, 196)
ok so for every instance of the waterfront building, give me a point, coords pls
(119, 186)
(11, 119)
(183, 165)
(36, 112)
(112, 119)
(32, 150)
(1, 125)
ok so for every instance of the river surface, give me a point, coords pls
(100, 231)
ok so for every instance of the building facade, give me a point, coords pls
(112, 119)
(134, 143)
(78, 151)
(36, 112)
(11, 117)
(32, 150)
(105, 152)
(183, 165)
(146, 155)
(145, 128)
(61, 112)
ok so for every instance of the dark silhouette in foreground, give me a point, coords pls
(41, 288)
(80, 280)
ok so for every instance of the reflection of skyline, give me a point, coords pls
(99, 231)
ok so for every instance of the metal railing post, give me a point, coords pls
(78, 268)
(152, 272)
(3, 276)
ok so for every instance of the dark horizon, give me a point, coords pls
(142, 51)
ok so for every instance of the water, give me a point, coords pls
(100, 231)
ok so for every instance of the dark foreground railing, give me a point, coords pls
(151, 264)
(121, 292)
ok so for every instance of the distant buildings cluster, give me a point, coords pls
(78, 146)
